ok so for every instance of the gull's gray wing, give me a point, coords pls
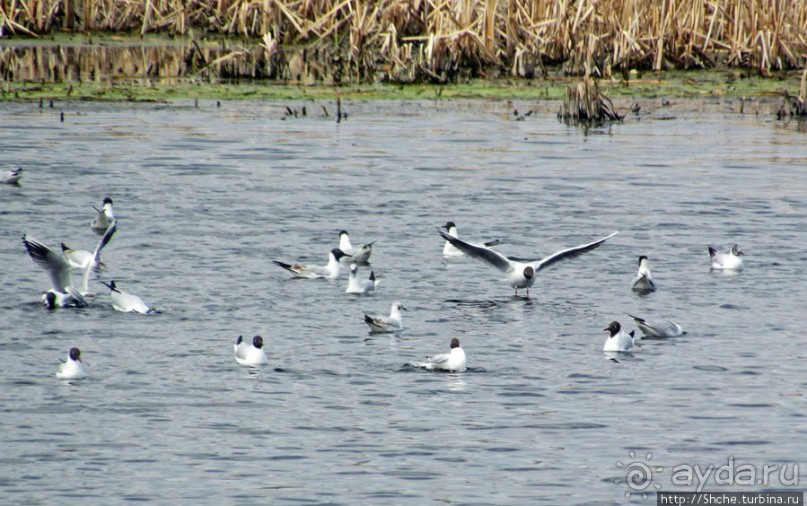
(441, 358)
(637, 319)
(53, 263)
(79, 299)
(110, 231)
(487, 255)
(568, 253)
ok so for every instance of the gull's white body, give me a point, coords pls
(250, 354)
(126, 302)
(359, 255)
(329, 271)
(519, 274)
(70, 298)
(360, 286)
(81, 259)
(453, 361)
(619, 340)
(11, 176)
(62, 293)
(644, 280)
(658, 329)
(103, 217)
(449, 250)
(391, 323)
(72, 368)
(733, 260)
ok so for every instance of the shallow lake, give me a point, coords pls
(206, 197)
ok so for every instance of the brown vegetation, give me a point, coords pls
(583, 103)
(795, 106)
(440, 40)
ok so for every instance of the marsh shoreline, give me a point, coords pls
(160, 68)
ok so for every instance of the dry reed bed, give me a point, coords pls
(439, 40)
(64, 64)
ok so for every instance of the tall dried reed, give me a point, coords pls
(438, 40)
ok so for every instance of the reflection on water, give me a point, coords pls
(207, 197)
(52, 63)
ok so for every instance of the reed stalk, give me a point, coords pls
(443, 40)
(583, 103)
(798, 104)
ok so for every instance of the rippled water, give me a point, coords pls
(207, 197)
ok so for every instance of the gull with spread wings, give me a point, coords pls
(520, 274)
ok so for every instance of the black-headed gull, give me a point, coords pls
(644, 280)
(520, 274)
(360, 286)
(450, 251)
(126, 302)
(453, 361)
(250, 354)
(103, 217)
(733, 260)
(81, 259)
(658, 329)
(62, 293)
(11, 176)
(358, 255)
(72, 368)
(391, 323)
(329, 271)
(618, 340)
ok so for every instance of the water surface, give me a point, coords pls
(208, 196)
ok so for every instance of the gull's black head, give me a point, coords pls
(75, 354)
(455, 343)
(108, 200)
(613, 328)
(736, 251)
(529, 272)
(449, 225)
(257, 342)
